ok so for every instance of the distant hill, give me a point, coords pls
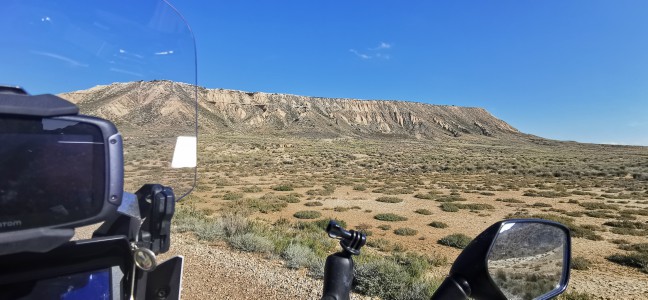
(160, 105)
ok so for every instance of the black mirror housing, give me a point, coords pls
(470, 276)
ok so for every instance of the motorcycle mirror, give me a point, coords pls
(513, 259)
(527, 260)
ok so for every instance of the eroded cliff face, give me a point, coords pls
(145, 103)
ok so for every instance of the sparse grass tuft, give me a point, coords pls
(251, 242)
(388, 199)
(384, 226)
(449, 207)
(307, 214)
(297, 256)
(437, 224)
(580, 263)
(545, 194)
(457, 240)
(598, 205)
(232, 196)
(359, 187)
(283, 187)
(405, 231)
(573, 295)
(390, 217)
(635, 260)
(251, 189)
(423, 211)
(384, 245)
(509, 200)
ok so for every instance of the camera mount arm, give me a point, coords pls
(144, 218)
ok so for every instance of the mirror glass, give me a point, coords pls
(526, 259)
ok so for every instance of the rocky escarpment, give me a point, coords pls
(146, 103)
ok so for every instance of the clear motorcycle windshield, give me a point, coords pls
(131, 62)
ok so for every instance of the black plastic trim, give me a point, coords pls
(23, 241)
(71, 258)
(46, 105)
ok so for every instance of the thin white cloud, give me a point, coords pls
(382, 46)
(377, 52)
(164, 52)
(68, 60)
(46, 19)
(122, 51)
(360, 55)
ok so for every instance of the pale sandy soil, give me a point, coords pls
(214, 271)
(605, 279)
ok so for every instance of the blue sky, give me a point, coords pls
(567, 70)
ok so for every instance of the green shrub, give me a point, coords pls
(359, 187)
(474, 206)
(251, 189)
(384, 245)
(234, 224)
(509, 200)
(449, 207)
(598, 205)
(457, 240)
(619, 242)
(574, 213)
(386, 279)
(541, 204)
(313, 203)
(629, 231)
(424, 196)
(580, 263)
(188, 219)
(405, 231)
(437, 224)
(290, 198)
(601, 214)
(328, 189)
(390, 217)
(232, 196)
(265, 204)
(384, 226)
(388, 199)
(210, 230)
(316, 268)
(307, 214)
(283, 187)
(449, 198)
(573, 295)
(641, 247)
(423, 211)
(545, 194)
(251, 242)
(340, 209)
(627, 224)
(298, 256)
(635, 260)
